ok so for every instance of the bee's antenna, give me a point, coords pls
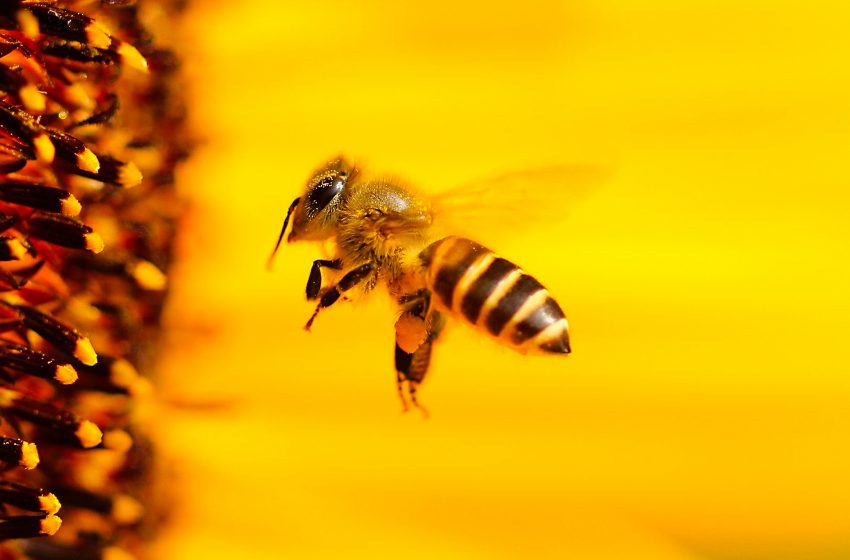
(282, 231)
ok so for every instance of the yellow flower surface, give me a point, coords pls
(703, 413)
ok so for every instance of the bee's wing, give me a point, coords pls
(499, 207)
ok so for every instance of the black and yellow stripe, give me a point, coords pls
(494, 295)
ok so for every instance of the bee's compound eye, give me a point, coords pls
(324, 193)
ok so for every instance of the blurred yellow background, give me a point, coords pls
(705, 410)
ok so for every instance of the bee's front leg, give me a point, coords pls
(352, 278)
(314, 282)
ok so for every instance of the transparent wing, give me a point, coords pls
(500, 207)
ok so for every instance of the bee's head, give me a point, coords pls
(314, 213)
(314, 216)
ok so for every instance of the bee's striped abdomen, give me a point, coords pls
(495, 295)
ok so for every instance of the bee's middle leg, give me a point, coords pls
(352, 278)
(314, 282)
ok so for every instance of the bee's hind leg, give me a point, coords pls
(399, 381)
(352, 278)
(410, 372)
(412, 367)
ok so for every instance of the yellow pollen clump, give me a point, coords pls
(88, 434)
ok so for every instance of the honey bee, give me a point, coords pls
(382, 232)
